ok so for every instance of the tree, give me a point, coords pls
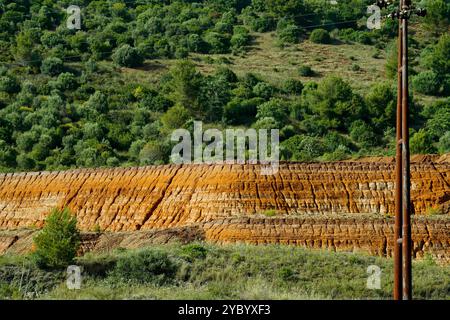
(439, 119)
(218, 43)
(52, 66)
(97, 104)
(276, 109)
(9, 84)
(444, 143)
(427, 82)
(26, 51)
(320, 36)
(293, 86)
(381, 105)
(437, 18)
(176, 117)
(362, 133)
(421, 143)
(263, 90)
(185, 85)
(127, 56)
(239, 111)
(66, 81)
(154, 152)
(302, 148)
(58, 242)
(438, 59)
(288, 34)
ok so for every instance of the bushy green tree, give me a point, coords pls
(444, 143)
(276, 109)
(302, 148)
(127, 56)
(288, 33)
(263, 90)
(239, 111)
(9, 84)
(438, 13)
(52, 66)
(218, 43)
(154, 152)
(306, 71)
(421, 143)
(363, 133)
(427, 82)
(57, 243)
(320, 36)
(293, 86)
(175, 118)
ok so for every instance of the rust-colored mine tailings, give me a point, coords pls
(338, 205)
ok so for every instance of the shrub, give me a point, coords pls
(421, 143)
(270, 213)
(302, 148)
(52, 66)
(288, 34)
(263, 90)
(306, 71)
(444, 143)
(293, 86)
(58, 242)
(355, 67)
(217, 42)
(193, 251)
(9, 84)
(65, 81)
(320, 36)
(145, 266)
(127, 56)
(363, 133)
(287, 274)
(427, 82)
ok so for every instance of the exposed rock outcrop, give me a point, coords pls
(230, 198)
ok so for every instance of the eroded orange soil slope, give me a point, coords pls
(342, 205)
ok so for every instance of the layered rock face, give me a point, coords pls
(174, 196)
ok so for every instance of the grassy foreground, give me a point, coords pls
(206, 271)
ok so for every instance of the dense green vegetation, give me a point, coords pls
(58, 242)
(69, 98)
(205, 271)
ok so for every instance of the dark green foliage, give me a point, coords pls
(292, 86)
(288, 32)
(241, 111)
(427, 82)
(306, 71)
(320, 36)
(9, 84)
(421, 143)
(302, 148)
(57, 244)
(362, 133)
(218, 43)
(263, 90)
(127, 56)
(444, 143)
(194, 251)
(52, 66)
(145, 266)
(55, 83)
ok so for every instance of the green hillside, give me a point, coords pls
(111, 93)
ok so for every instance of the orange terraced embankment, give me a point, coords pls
(339, 205)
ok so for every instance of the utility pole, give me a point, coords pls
(402, 228)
